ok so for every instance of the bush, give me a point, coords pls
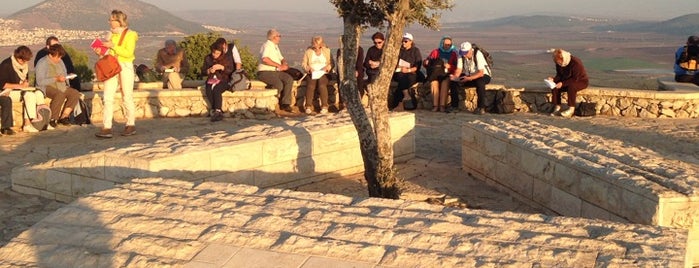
(80, 62)
(197, 48)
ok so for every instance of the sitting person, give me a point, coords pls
(51, 79)
(172, 64)
(317, 62)
(52, 40)
(686, 59)
(218, 69)
(570, 77)
(372, 61)
(440, 64)
(473, 71)
(271, 69)
(231, 51)
(14, 74)
(409, 63)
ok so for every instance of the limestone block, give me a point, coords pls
(515, 180)
(404, 147)
(190, 166)
(606, 109)
(83, 185)
(537, 166)
(163, 111)
(638, 209)
(34, 177)
(334, 139)
(541, 192)
(624, 103)
(237, 177)
(287, 148)
(496, 148)
(666, 104)
(284, 172)
(565, 203)
(181, 112)
(601, 193)
(236, 157)
(59, 182)
(591, 211)
(122, 169)
(668, 112)
(566, 178)
(334, 161)
(646, 114)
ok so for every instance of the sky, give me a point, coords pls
(464, 10)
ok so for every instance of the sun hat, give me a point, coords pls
(408, 36)
(464, 48)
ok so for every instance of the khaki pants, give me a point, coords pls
(172, 80)
(31, 100)
(126, 79)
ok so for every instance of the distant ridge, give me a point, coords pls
(92, 15)
(683, 25)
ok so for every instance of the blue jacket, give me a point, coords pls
(678, 69)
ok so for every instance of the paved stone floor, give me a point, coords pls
(434, 173)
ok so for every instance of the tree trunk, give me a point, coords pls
(375, 142)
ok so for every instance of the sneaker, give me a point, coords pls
(30, 129)
(129, 130)
(556, 111)
(568, 112)
(64, 121)
(8, 131)
(105, 133)
(53, 124)
(324, 111)
(309, 111)
(49, 127)
(217, 116)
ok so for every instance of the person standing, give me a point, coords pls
(473, 71)
(317, 62)
(271, 69)
(67, 61)
(685, 70)
(51, 79)
(122, 45)
(571, 77)
(172, 64)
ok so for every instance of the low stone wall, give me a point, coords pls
(157, 103)
(572, 175)
(296, 156)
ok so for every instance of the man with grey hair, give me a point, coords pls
(271, 69)
(172, 63)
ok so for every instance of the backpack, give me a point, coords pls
(435, 69)
(81, 114)
(239, 81)
(504, 102)
(146, 75)
(486, 55)
(688, 59)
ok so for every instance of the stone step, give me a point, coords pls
(583, 175)
(167, 222)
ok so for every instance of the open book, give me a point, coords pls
(97, 43)
(550, 83)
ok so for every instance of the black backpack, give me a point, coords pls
(486, 55)
(689, 58)
(81, 114)
(504, 102)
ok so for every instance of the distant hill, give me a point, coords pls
(683, 25)
(92, 15)
(257, 20)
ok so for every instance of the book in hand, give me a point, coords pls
(550, 83)
(97, 43)
(71, 76)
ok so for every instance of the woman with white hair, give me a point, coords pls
(571, 77)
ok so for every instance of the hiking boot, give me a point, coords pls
(129, 130)
(324, 111)
(217, 116)
(105, 133)
(53, 123)
(286, 108)
(309, 111)
(556, 111)
(8, 131)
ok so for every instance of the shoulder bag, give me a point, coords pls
(108, 66)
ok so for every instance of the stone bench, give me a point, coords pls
(159, 103)
(581, 175)
(260, 155)
(668, 83)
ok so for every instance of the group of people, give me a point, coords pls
(686, 59)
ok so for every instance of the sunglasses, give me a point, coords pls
(406, 40)
(378, 42)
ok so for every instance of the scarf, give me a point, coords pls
(566, 58)
(445, 53)
(21, 69)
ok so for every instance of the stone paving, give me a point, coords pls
(437, 149)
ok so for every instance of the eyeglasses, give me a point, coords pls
(378, 42)
(406, 40)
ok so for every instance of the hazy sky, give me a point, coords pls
(465, 10)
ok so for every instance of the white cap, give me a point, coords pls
(464, 48)
(408, 36)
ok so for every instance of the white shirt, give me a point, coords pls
(471, 65)
(270, 50)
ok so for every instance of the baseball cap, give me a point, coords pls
(408, 36)
(464, 48)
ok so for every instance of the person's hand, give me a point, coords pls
(283, 67)
(60, 78)
(404, 70)
(465, 78)
(327, 69)
(217, 67)
(97, 51)
(6, 92)
(107, 44)
(559, 85)
(374, 64)
(24, 83)
(447, 65)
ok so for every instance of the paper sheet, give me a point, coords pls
(317, 74)
(550, 83)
